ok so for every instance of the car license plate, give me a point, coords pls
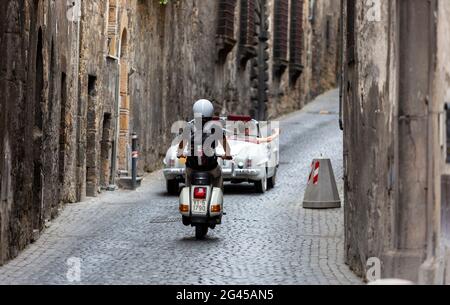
(199, 206)
(183, 161)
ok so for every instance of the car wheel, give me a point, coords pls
(173, 187)
(261, 186)
(273, 180)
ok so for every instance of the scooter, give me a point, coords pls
(201, 205)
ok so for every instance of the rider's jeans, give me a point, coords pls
(216, 174)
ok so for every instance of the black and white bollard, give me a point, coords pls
(135, 156)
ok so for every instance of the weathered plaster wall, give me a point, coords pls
(369, 108)
(394, 92)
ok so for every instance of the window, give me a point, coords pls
(247, 31)
(225, 28)
(281, 25)
(296, 40)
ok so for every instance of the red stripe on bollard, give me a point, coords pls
(316, 173)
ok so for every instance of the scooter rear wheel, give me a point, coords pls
(201, 231)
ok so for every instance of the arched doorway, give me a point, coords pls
(124, 120)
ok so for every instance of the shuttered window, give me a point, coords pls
(281, 19)
(225, 29)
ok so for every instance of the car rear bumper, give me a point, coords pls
(174, 173)
(241, 174)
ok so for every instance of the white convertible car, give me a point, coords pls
(255, 151)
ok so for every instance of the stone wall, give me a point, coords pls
(394, 92)
(77, 80)
(38, 69)
(162, 94)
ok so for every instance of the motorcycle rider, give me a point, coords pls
(204, 110)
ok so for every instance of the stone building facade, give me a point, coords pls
(79, 77)
(395, 87)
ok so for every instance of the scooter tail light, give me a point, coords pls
(172, 163)
(249, 163)
(200, 192)
(184, 208)
(216, 209)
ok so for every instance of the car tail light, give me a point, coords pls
(239, 118)
(249, 163)
(200, 192)
(216, 209)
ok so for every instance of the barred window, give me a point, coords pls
(225, 29)
(296, 40)
(247, 39)
(281, 19)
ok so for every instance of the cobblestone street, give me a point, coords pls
(138, 238)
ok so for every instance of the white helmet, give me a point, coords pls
(204, 108)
